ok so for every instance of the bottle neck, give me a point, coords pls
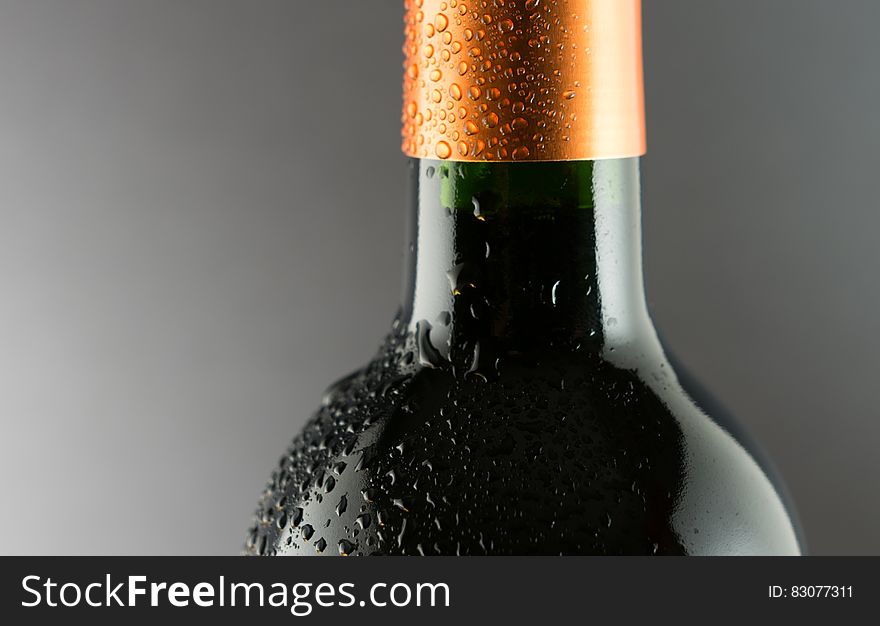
(524, 257)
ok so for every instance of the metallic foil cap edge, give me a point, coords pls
(523, 80)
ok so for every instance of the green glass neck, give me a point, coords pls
(526, 256)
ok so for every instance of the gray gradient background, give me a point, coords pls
(200, 228)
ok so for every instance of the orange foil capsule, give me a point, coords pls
(523, 80)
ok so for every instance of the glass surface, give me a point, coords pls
(522, 403)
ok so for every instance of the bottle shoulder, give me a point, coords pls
(557, 452)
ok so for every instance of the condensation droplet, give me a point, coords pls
(345, 547)
(443, 150)
(520, 153)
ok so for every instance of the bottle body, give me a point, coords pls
(521, 403)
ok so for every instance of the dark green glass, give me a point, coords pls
(522, 402)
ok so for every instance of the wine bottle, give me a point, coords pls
(522, 402)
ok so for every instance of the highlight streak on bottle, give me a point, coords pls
(523, 81)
